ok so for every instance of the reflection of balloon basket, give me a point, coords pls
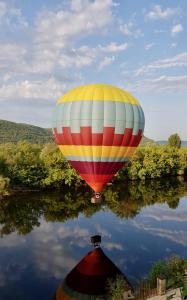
(96, 198)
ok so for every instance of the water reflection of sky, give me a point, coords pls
(32, 266)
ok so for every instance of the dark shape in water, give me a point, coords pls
(96, 240)
(88, 279)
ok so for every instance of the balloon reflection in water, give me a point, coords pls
(88, 279)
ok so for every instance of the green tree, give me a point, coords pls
(57, 169)
(115, 288)
(21, 163)
(174, 141)
(172, 269)
(176, 270)
(160, 268)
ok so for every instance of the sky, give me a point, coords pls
(48, 47)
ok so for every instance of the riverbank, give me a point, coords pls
(14, 190)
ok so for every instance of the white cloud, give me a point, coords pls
(149, 46)
(87, 55)
(50, 252)
(12, 241)
(84, 18)
(129, 29)
(44, 62)
(52, 51)
(11, 17)
(110, 48)
(163, 83)
(102, 231)
(33, 89)
(165, 214)
(57, 32)
(113, 246)
(53, 39)
(108, 60)
(113, 47)
(173, 45)
(179, 60)
(157, 13)
(176, 29)
(176, 236)
(159, 31)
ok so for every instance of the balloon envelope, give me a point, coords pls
(98, 128)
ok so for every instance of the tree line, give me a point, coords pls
(25, 164)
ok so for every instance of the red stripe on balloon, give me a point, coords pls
(107, 138)
(57, 136)
(86, 167)
(127, 137)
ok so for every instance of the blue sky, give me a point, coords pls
(48, 47)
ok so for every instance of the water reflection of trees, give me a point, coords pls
(21, 213)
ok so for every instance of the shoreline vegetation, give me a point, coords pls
(27, 166)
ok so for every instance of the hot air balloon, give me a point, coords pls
(88, 279)
(98, 127)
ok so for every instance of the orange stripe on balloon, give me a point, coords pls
(97, 182)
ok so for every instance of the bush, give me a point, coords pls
(4, 184)
(116, 288)
(172, 269)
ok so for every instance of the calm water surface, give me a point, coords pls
(44, 235)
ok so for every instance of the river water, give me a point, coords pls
(45, 234)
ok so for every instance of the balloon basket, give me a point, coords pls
(96, 198)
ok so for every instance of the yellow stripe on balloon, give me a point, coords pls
(99, 92)
(97, 151)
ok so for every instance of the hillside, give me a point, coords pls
(163, 142)
(146, 140)
(14, 132)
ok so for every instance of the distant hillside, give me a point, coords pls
(14, 132)
(146, 140)
(183, 143)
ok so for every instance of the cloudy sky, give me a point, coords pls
(50, 46)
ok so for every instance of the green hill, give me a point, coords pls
(146, 140)
(14, 132)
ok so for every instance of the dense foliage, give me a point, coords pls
(155, 161)
(42, 166)
(172, 270)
